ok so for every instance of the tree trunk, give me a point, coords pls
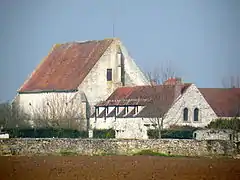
(160, 127)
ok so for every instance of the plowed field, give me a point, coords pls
(117, 167)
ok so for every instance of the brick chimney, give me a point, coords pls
(173, 81)
(177, 83)
(178, 87)
(153, 82)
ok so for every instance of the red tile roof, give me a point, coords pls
(66, 66)
(224, 102)
(159, 96)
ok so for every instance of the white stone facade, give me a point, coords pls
(191, 99)
(94, 87)
(212, 134)
(136, 127)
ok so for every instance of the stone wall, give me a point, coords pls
(114, 146)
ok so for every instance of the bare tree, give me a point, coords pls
(233, 82)
(59, 111)
(11, 116)
(157, 77)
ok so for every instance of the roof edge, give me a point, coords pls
(47, 91)
(38, 66)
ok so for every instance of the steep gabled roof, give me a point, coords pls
(224, 102)
(66, 66)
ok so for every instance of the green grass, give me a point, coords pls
(68, 153)
(148, 152)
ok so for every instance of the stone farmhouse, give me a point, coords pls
(131, 111)
(100, 81)
(80, 74)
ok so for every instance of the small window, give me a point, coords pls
(47, 104)
(194, 135)
(196, 114)
(154, 125)
(109, 74)
(30, 104)
(185, 114)
(230, 137)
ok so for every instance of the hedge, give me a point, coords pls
(171, 134)
(58, 133)
(46, 133)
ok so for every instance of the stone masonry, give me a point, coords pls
(114, 147)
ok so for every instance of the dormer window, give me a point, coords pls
(97, 111)
(126, 109)
(135, 110)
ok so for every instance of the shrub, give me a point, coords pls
(174, 132)
(45, 133)
(104, 133)
(233, 124)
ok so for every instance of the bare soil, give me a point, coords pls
(117, 167)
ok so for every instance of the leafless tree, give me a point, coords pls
(11, 116)
(59, 111)
(233, 83)
(157, 77)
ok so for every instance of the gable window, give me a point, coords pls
(109, 74)
(196, 114)
(185, 114)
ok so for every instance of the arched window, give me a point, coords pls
(196, 114)
(185, 114)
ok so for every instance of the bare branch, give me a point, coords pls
(158, 77)
(59, 111)
(231, 82)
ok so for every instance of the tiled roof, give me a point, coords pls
(224, 102)
(66, 66)
(156, 99)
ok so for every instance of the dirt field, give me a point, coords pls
(117, 167)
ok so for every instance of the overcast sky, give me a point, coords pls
(200, 38)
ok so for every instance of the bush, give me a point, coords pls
(104, 133)
(233, 124)
(46, 133)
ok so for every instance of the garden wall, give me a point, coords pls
(183, 147)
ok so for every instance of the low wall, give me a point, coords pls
(114, 146)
